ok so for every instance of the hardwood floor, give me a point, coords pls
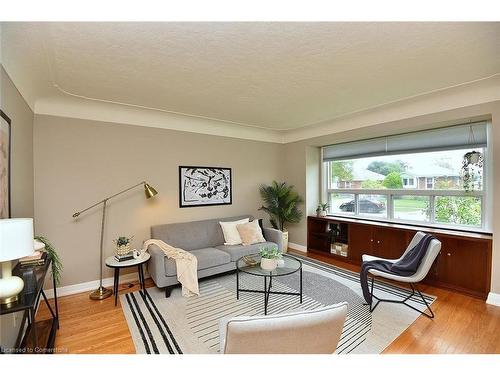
(87, 326)
(462, 324)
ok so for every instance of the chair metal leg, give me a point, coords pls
(372, 308)
(431, 315)
(404, 301)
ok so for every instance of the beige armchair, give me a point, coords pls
(304, 332)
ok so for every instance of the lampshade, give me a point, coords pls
(149, 191)
(16, 238)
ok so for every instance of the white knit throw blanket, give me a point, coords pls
(187, 266)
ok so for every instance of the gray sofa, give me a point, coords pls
(205, 240)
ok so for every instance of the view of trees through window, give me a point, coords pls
(421, 187)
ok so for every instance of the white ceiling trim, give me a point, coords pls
(75, 107)
(66, 92)
(401, 100)
(285, 131)
(460, 96)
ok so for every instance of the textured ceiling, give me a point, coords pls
(270, 75)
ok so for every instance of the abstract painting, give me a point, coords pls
(204, 186)
(5, 146)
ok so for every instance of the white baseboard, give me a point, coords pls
(296, 246)
(91, 285)
(493, 299)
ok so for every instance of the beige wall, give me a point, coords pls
(79, 162)
(299, 171)
(12, 103)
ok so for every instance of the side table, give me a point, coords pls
(111, 262)
(35, 337)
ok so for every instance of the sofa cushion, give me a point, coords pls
(250, 233)
(237, 251)
(230, 231)
(207, 258)
(194, 234)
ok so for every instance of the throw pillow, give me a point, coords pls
(231, 235)
(250, 233)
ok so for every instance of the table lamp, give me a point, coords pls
(16, 241)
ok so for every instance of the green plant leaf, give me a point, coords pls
(280, 202)
(54, 257)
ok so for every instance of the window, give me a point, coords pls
(409, 183)
(429, 183)
(421, 186)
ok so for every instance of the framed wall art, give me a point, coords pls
(204, 186)
(5, 166)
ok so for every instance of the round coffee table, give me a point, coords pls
(291, 265)
(113, 263)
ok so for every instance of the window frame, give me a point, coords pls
(485, 227)
(413, 185)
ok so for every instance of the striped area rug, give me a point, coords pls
(178, 325)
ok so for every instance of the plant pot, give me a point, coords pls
(285, 242)
(472, 157)
(123, 249)
(268, 264)
(322, 213)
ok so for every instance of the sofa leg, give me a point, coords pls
(168, 290)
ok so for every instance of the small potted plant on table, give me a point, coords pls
(123, 245)
(322, 209)
(269, 257)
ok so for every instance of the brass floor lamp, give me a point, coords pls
(149, 191)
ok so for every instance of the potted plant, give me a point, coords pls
(472, 166)
(281, 203)
(54, 257)
(322, 209)
(122, 245)
(269, 257)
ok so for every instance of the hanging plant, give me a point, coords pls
(472, 168)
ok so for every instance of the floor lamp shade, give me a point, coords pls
(16, 241)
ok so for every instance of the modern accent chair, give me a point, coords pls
(304, 332)
(432, 252)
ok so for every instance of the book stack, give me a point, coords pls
(35, 259)
(339, 248)
(123, 258)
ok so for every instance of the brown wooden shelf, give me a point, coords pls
(436, 230)
(463, 264)
(329, 254)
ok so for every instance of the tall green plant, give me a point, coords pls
(281, 203)
(52, 254)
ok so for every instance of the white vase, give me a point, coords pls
(268, 264)
(285, 242)
(322, 213)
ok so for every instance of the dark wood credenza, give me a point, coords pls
(463, 264)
